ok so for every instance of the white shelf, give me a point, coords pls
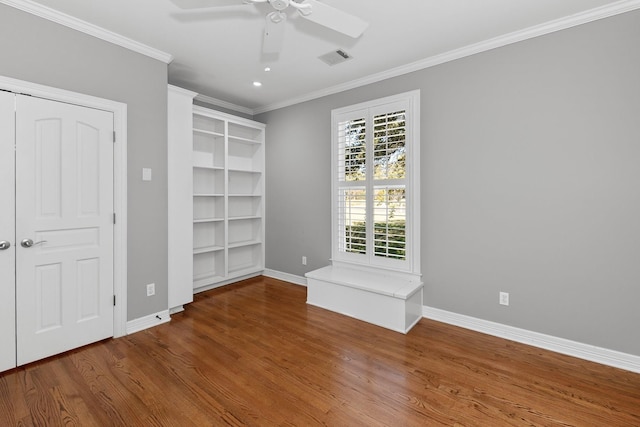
(207, 249)
(244, 270)
(243, 140)
(240, 207)
(202, 280)
(245, 258)
(228, 192)
(215, 168)
(252, 171)
(206, 276)
(244, 243)
(208, 132)
(208, 267)
(203, 220)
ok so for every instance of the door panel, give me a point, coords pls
(48, 175)
(64, 205)
(7, 233)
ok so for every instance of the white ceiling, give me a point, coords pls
(217, 51)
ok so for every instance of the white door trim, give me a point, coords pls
(119, 111)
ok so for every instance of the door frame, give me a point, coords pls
(119, 111)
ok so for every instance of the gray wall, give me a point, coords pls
(40, 51)
(530, 169)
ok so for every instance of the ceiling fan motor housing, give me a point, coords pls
(279, 4)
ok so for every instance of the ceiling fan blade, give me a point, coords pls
(203, 4)
(274, 32)
(333, 18)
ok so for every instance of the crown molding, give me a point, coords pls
(591, 15)
(224, 104)
(602, 12)
(182, 91)
(87, 28)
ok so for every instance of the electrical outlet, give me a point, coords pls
(151, 289)
(304, 260)
(504, 298)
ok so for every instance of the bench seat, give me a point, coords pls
(384, 299)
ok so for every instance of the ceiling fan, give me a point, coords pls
(313, 10)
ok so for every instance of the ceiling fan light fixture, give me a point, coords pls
(279, 4)
(311, 10)
(277, 17)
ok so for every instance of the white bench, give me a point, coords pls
(384, 299)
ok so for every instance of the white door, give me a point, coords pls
(63, 227)
(7, 234)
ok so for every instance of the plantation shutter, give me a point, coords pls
(352, 192)
(372, 221)
(389, 192)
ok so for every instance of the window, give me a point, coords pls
(376, 183)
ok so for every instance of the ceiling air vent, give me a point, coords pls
(335, 57)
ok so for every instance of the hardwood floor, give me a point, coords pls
(255, 354)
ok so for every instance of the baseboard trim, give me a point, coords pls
(146, 322)
(592, 353)
(175, 310)
(292, 278)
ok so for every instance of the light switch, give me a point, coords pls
(146, 174)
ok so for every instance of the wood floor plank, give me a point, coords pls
(255, 354)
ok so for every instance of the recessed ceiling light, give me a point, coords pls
(257, 84)
(267, 69)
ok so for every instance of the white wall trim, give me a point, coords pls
(595, 14)
(224, 104)
(148, 321)
(292, 278)
(87, 28)
(592, 353)
(120, 208)
(180, 90)
(119, 111)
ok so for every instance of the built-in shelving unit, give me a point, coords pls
(228, 197)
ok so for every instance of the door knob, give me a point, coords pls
(27, 243)
(4, 245)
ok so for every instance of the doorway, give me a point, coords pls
(61, 186)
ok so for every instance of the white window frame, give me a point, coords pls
(410, 103)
